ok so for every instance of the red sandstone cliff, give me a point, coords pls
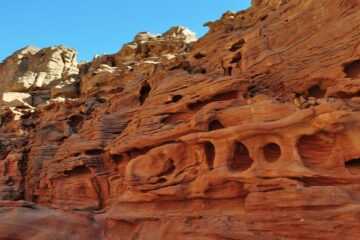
(251, 132)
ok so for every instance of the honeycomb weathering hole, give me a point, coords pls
(353, 166)
(175, 99)
(352, 69)
(210, 155)
(117, 158)
(236, 46)
(144, 93)
(272, 152)
(316, 92)
(215, 125)
(241, 159)
(236, 58)
(199, 55)
(316, 149)
(228, 71)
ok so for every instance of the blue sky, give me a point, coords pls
(100, 26)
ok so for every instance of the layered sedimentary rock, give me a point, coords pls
(250, 132)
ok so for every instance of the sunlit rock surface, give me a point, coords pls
(250, 132)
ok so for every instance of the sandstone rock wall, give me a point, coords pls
(250, 132)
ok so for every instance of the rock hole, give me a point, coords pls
(215, 125)
(112, 61)
(353, 166)
(210, 155)
(228, 71)
(272, 152)
(236, 58)
(263, 18)
(117, 158)
(241, 159)
(316, 92)
(352, 69)
(94, 152)
(79, 170)
(161, 180)
(75, 122)
(315, 150)
(144, 93)
(175, 99)
(199, 55)
(236, 46)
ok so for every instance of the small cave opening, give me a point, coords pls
(237, 58)
(236, 46)
(353, 166)
(79, 170)
(161, 180)
(199, 55)
(228, 71)
(210, 155)
(111, 61)
(75, 122)
(272, 152)
(144, 93)
(94, 152)
(316, 149)
(263, 18)
(175, 99)
(352, 69)
(215, 125)
(241, 160)
(117, 158)
(316, 91)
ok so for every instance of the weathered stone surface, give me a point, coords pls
(139, 59)
(16, 99)
(32, 69)
(251, 132)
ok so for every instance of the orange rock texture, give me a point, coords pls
(250, 132)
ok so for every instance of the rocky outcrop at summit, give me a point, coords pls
(250, 132)
(139, 59)
(37, 71)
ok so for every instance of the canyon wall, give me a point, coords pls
(250, 132)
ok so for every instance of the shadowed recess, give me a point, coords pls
(272, 152)
(241, 159)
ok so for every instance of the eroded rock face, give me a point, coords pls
(139, 59)
(36, 71)
(251, 132)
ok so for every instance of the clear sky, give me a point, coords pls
(100, 26)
